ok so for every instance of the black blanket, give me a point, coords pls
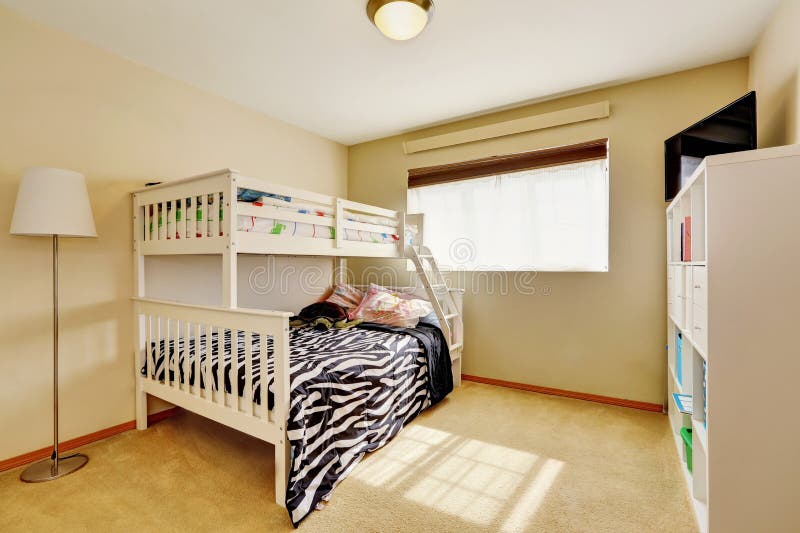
(437, 354)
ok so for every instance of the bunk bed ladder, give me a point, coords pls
(440, 297)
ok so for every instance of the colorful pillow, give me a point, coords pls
(386, 307)
(346, 296)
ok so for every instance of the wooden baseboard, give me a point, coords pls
(633, 404)
(77, 442)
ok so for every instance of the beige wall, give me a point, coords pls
(601, 333)
(774, 66)
(64, 103)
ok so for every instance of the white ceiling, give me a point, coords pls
(321, 65)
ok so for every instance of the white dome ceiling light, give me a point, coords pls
(400, 19)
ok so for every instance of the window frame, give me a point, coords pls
(535, 159)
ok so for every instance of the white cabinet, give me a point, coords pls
(733, 283)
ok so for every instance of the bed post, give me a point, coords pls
(229, 256)
(138, 289)
(338, 233)
(339, 270)
(280, 410)
(283, 463)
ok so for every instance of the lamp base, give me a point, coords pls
(46, 471)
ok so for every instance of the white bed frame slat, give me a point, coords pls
(157, 340)
(263, 372)
(197, 358)
(202, 218)
(233, 374)
(161, 221)
(187, 336)
(172, 217)
(167, 359)
(169, 339)
(213, 216)
(189, 215)
(208, 373)
(146, 231)
(174, 378)
(148, 339)
(248, 396)
(219, 352)
(181, 224)
(176, 356)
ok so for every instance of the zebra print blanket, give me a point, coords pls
(351, 391)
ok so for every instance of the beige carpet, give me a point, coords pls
(486, 459)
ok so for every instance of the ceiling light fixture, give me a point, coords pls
(400, 19)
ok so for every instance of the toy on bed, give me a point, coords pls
(322, 316)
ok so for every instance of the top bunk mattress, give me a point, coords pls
(275, 225)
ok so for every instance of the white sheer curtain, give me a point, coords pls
(553, 218)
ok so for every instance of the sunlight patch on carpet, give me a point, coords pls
(532, 497)
(474, 480)
(398, 461)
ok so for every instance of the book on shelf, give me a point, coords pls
(687, 238)
(683, 402)
(682, 235)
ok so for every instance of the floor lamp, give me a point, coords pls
(53, 203)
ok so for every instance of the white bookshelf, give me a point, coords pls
(735, 306)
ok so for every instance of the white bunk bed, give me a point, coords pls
(201, 215)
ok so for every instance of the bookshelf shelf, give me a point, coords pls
(687, 263)
(699, 434)
(731, 288)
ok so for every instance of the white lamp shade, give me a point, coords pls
(52, 201)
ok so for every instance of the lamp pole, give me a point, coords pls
(56, 466)
(55, 355)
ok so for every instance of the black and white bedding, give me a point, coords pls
(351, 391)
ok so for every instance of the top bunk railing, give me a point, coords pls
(224, 210)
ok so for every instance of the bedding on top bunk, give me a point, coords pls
(351, 391)
(324, 230)
(303, 229)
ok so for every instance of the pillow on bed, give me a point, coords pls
(345, 295)
(385, 307)
(399, 293)
(423, 307)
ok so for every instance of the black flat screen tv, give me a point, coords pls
(731, 129)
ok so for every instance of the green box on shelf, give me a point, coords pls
(686, 435)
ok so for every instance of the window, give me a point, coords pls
(542, 210)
